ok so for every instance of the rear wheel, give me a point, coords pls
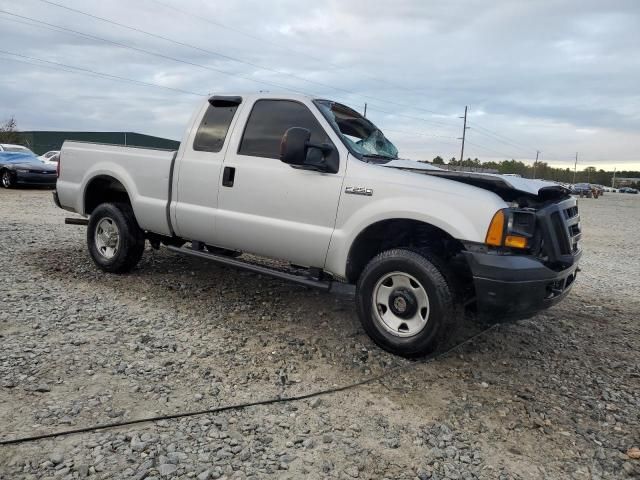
(404, 302)
(7, 179)
(114, 239)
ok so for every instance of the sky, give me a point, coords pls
(556, 76)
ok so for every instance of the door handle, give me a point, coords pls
(228, 176)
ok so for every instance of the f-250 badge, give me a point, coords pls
(359, 191)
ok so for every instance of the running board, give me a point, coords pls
(76, 221)
(219, 259)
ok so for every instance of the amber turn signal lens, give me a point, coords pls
(515, 241)
(496, 230)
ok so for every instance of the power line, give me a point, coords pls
(30, 60)
(100, 74)
(50, 26)
(501, 153)
(229, 57)
(497, 137)
(427, 135)
(142, 50)
(286, 48)
(481, 130)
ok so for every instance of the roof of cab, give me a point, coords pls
(267, 95)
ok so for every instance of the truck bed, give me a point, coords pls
(144, 172)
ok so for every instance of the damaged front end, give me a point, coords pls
(529, 260)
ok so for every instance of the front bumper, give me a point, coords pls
(23, 178)
(517, 286)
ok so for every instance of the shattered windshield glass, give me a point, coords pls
(358, 133)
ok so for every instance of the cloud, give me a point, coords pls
(557, 76)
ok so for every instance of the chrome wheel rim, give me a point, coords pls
(6, 180)
(107, 238)
(400, 304)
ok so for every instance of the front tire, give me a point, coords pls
(7, 180)
(114, 239)
(404, 302)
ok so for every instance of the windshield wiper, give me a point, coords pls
(378, 155)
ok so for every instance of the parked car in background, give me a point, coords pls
(627, 190)
(54, 159)
(50, 156)
(582, 189)
(19, 168)
(10, 147)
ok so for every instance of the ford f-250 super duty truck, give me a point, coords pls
(316, 184)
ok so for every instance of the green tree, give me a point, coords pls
(438, 160)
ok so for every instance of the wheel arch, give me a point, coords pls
(104, 188)
(396, 233)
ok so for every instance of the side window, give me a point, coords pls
(213, 129)
(269, 120)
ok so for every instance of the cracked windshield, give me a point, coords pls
(358, 133)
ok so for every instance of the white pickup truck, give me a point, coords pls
(314, 183)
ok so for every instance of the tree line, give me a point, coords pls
(542, 170)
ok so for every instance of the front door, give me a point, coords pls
(270, 208)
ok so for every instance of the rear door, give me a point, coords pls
(199, 168)
(266, 206)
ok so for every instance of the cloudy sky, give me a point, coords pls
(559, 76)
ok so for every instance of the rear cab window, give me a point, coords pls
(214, 127)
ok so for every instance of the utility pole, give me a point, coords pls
(464, 132)
(575, 168)
(365, 110)
(613, 180)
(535, 163)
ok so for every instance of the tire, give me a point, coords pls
(114, 239)
(405, 324)
(7, 180)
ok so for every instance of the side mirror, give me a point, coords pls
(293, 147)
(297, 151)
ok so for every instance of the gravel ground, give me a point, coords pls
(556, 396)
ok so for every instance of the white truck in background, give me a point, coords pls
(314, 183)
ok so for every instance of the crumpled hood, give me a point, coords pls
(482, 180)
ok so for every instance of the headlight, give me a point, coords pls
(21, 170)
(511, 228)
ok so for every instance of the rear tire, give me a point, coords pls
(114, 239)
(405, 303)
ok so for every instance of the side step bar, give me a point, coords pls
(302, 280)
(76, 221)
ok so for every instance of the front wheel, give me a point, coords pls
(114, 239)
(404, 302)
(7, 179)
